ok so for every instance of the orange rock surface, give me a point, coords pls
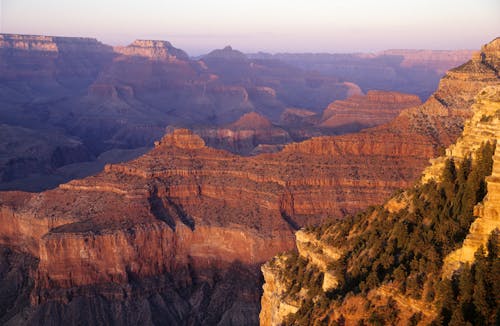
(184, 207)
(374, 108)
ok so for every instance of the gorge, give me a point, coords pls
(177, 235)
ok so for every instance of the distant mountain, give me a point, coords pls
(407, 71)
(123, 97)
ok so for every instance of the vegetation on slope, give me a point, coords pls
(405, 249)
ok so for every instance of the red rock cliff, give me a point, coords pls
(187, 211)
(372, 109)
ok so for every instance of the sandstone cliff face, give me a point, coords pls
(276, 306)
(320, 249)
(189, 209)
(159, 50)
(484, 126)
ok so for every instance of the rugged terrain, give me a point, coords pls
(250, 134)
(253, 133)
(120, 99)
(170, 236)
(373, 109)
(123, 97)
(386, 265)
(407, 71)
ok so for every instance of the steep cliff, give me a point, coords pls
(181, 217)
(386, 264)
(163, 224)
(179, 233)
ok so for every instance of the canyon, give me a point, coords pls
(123, 98)
(407, 71)
(116, 101)
(325, 248)
(170, 236)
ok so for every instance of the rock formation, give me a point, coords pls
(245, 134)
(483, 126)
(334, 245)
(183, 229)
(373, 109)
(342, 116)
(124, 97)
(160, 50)
(406, 71)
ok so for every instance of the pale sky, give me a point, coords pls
(198, 26)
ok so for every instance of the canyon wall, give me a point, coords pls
(170, 228)
(333, 245)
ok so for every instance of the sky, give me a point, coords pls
(199, 26)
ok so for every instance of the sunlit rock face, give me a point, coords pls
(183, 229)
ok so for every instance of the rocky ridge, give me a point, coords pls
(318, 250)
(484, 126)
(198, 214)
(153, 49)
(245, 135)
(50, 43)
(463, 84)
(375, 108)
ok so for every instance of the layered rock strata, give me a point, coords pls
(245, 134)
(431, 120)
(375, 108)
(483, 127)
(183, 215)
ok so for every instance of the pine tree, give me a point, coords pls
(480, 294)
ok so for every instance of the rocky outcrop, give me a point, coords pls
(322, 249)
(342, 116)
(153, 49)
(245, 135)
(297, 117)
(373, 109)
(275, 306)
(50, 43)
(484, 126)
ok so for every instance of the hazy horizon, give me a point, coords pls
(296, 26)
